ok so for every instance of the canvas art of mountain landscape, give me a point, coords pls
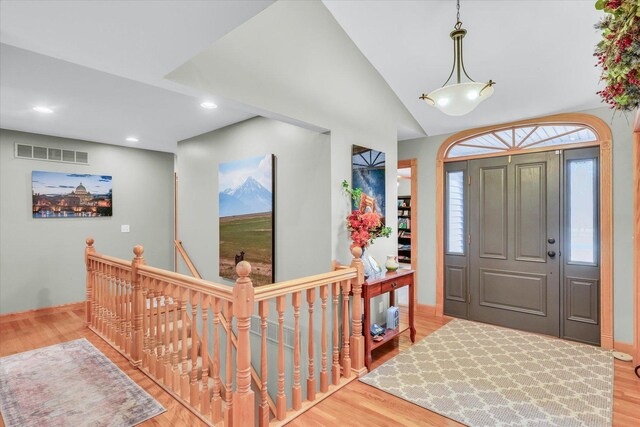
(246, 195)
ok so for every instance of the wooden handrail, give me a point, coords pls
(310, 282)
(186, 259)
(152, 317)
(223, 321)
(191, 283)
(106, 259)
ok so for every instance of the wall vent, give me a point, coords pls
(272, 331)
(24, 151)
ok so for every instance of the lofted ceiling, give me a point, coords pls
(538, 52)
(102, 64)
(98, 106)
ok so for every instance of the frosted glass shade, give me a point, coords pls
(459, 99)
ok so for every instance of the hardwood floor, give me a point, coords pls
(33, 332)
(357, 404)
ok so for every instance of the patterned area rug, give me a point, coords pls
(483, 375)
(70, 384)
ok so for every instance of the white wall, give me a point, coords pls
(404, 187)
(302, 195)
(303, 234)
(294, 61)
(426, 150)
(41, 260)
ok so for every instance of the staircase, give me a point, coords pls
(176, 329)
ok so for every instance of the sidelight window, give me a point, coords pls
(582, 186)
(455, 212)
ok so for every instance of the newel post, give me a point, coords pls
(243, 397)
(357, 339)
(138, 301)
(89, 304)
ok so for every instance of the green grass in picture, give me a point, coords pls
(252, 234)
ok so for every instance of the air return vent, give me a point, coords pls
(40, 153)
(68, 156)
(24, 151)
(272, 331)
(55, 154)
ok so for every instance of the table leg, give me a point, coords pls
(411, 311)
(366, 327)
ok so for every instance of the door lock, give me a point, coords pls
(551, 254)
(551, 240)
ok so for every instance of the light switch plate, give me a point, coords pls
(124, 228)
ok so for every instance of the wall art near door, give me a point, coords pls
(70, 195)
(246, 203)
(368, 174)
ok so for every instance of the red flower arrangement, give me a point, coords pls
(364, 227)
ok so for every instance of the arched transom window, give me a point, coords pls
(526, 137)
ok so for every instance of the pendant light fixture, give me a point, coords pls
(460, 98)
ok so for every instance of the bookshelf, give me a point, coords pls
(404, 229)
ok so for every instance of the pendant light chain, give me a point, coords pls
(458, 23)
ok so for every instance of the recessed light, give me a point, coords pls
(208, 105)
(132, 139)
(44, 110)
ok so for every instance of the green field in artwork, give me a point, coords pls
(252, 234)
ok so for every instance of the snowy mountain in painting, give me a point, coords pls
(248, 198)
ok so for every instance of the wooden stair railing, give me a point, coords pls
(338, 360)
(223, 321)
(152, 317)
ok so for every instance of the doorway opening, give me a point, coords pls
(524, 227)
(408, 217)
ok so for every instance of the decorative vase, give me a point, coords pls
(392, 263)
(368, 269)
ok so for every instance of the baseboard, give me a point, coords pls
(429, 310)
(19, 315)
(624, 347)
(606, 341)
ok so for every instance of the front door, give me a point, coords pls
(515, 234)
(521, 242)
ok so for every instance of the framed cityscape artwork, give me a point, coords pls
(70, 195)
(246, 209)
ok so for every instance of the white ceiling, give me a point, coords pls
(538, 52)
(105, 65)
(102, 64)
(97, 106)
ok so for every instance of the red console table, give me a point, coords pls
(378, 286)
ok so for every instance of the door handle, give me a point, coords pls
(551, 240)
(551, 254)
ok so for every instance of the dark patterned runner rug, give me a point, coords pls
(483, 375)
(70, 384)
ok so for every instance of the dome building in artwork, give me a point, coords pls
(81, 193)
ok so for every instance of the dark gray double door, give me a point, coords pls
(518, 216)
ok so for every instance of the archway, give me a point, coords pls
(556, 132)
